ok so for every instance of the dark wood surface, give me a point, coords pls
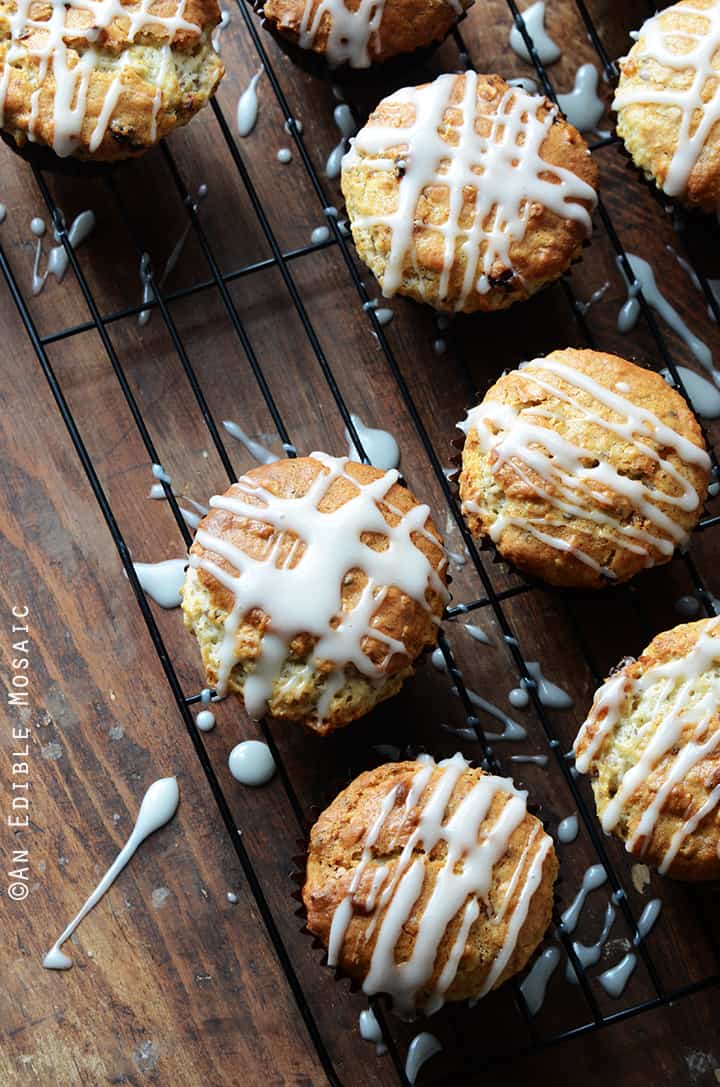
(189, 990)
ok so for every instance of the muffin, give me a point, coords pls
(583, 469)
(313, 586)
(360, 33)
(468, 194)
(106, 82)
(652, 745)
(668, 102)
(429, 881)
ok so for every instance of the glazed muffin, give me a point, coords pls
(430, 882)
(652, 745)
(468, 194)
(583, 469)
(360, 33)
(668, 102)
(313, 586)
(118, 80)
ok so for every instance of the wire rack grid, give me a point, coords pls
(488, 596)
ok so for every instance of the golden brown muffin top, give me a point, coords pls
(668, 101)
(471, 181)
(652, 743)
(429, 882)
(66, 71)
(325, 557)
(583, 468)
(358, 32)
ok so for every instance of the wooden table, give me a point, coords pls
(173, 984)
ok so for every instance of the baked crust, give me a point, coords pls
(636, 716)
(652, 130)
(301, 680)
(137, 84)
(544, 250)
(501, 496)
(405, 25)
(335, 851)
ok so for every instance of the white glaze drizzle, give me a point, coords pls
(519, 439)
(549, 694)
(247, 107)
(251, 763)
(162, 580)
(699, 103)
(568, 829)
(596, 296)
(704, 396)
(205, 720)
(284, 155)
(518, 698)
(257, 450)
(192, 519)
(319, 235)
(583, 106)
(594, 877)
(345, 124)
(370, 1031)
(456, 891)
(644, 280)
(157, 808)
(222, 25)
(616, 977)
(58, 261)
(307, 597)
(421, 1049)
(354, 33)
(534, 18)
(536, 760)
(589, 954)
(379, 445)
(655, 685)
(511, 729)
(534, 985)
(477, 634)
(514, 178)
(67, 57)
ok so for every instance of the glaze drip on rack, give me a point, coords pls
(556, 469)
(442, 147)
(475, 842)
(70, 40)
(680, 734)
(684, 49)
(300, 590)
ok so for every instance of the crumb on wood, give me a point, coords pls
(640, 877)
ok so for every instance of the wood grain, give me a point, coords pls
(186, 988)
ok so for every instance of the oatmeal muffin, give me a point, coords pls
(468, 194)
(359, 32)
(104, 80)
(651, 743)
(313, 586)
(583, 469)
(430, 882)
(668, 102)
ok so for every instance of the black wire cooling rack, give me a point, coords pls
(488, 596)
